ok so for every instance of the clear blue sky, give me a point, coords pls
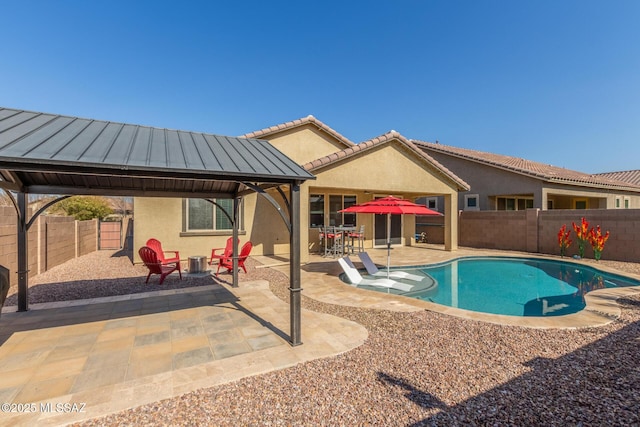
(551, 81)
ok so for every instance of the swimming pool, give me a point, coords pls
(512, 286)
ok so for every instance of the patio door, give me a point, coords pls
(380, 229)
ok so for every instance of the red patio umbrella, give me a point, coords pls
(390, 206)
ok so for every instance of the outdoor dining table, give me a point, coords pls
(330, 241)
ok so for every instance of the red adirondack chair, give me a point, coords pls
(157, 246)
(155, 266)
(227, 251)
(228, 262)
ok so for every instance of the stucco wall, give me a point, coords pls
(389, 169)
(305, 144)
(162, 219)
(488, 181)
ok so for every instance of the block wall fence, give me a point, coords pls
(52, 241)
(536, 231)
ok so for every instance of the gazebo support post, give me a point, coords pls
(294, 266)
(23, 253)
(236, 222)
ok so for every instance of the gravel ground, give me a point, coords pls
(106, 273)
(425, 368)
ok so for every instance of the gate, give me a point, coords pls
(110, 235)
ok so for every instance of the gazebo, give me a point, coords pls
(43, 153)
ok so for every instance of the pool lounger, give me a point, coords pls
(373, 270)
(356, 279)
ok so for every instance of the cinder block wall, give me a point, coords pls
(87, 236)
(60, 235)
(52, 240)
(494, 230)
(537, 231)
(623, 224)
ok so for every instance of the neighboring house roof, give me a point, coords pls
(54, 153)
(378, 141)
(632, 177)
(530, 168)
(298, 123)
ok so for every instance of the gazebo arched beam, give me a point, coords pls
(44, 208)
(273, 202)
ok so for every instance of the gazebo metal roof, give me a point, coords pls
(54, 154)
(48, 153)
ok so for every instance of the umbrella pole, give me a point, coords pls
(388, 243)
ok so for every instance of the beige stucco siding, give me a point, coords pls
(305, 144)
(162, 218)
(386, 170)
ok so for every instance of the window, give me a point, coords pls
(580, 204)
(316, 210)
(205, 216)
(432, 203)
(338, 202)
(618, 204)
(471, 202)
(627, 202)
(514, 204)
(549, 204)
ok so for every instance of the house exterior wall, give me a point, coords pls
(396, 172)
(305, 144)
(389, 169)
(488, 182)
(163, 218)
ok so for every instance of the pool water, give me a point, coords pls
(514, 286)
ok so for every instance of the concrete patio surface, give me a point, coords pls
(105, 355)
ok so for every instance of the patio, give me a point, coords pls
(163, 344)
(113, 353)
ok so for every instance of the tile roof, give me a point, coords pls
(297, 123)
(538, 170)
(381, 140)
(632, 177)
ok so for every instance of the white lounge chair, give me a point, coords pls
(373, 270)
(356, 279)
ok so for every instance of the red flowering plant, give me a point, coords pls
(597, 241)
(563, 239)
(582, 234)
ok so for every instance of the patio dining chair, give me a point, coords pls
(359, 236)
